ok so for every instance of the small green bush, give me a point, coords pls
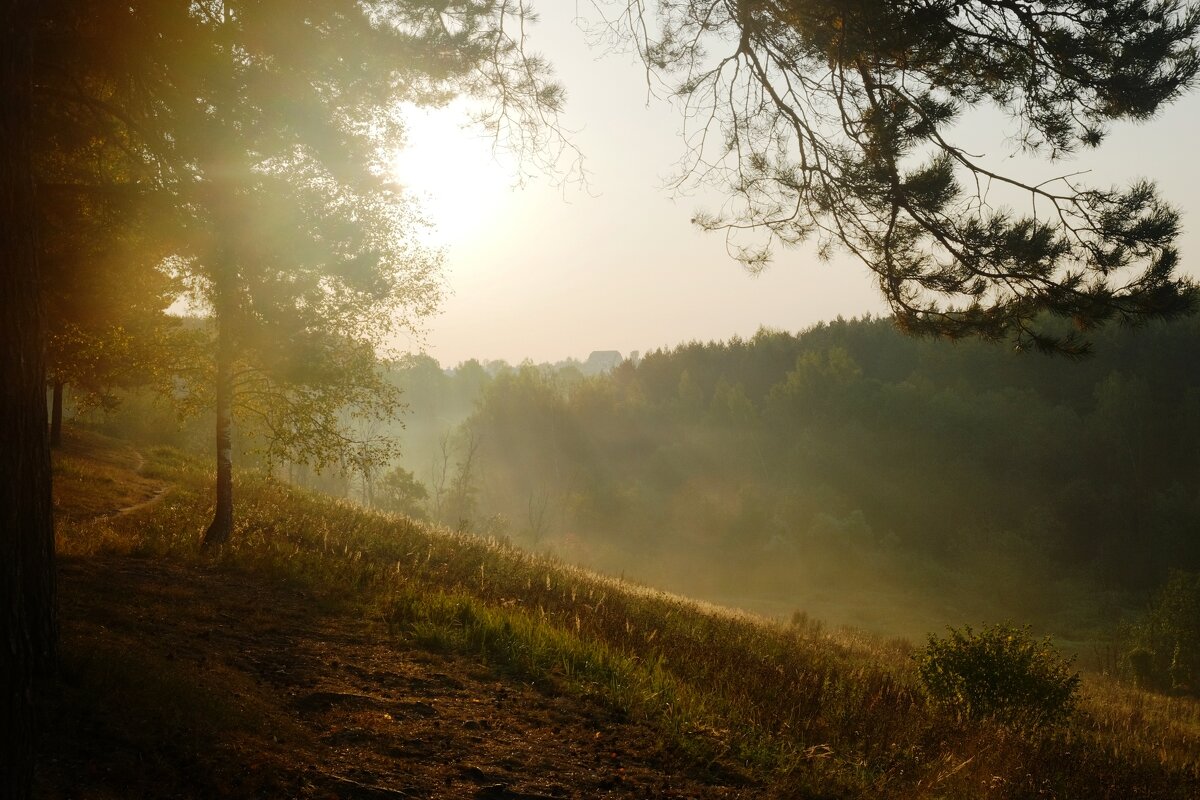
(1001, 673)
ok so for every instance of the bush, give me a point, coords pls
(1162, 650)
(1001, 673)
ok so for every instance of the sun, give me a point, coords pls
(461, 181)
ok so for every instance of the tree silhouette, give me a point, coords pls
(835, 119)
(27, 597)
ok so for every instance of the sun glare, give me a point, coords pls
(461, 182)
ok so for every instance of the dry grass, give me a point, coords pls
(802, 710)
(96, 476)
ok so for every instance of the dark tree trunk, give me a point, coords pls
(28, 623)
(56, 414)
(222, 524)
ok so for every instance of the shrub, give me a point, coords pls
(1001, 673)
(1162, 650)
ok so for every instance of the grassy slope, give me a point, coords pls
(798, 710)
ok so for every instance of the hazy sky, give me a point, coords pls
(546, 272)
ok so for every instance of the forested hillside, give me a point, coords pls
(945, 482)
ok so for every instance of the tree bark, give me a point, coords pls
(221, 528)
(28, 622)
(224, 282)
(56, 408)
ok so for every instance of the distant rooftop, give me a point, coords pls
(601, 361)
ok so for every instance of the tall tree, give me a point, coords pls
(281, 119)
(27, 599)
(835, 120)
(269, 122)
(104, 221)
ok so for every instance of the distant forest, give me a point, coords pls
(963, 480)
(941, 481)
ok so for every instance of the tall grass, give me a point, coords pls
(801, 710)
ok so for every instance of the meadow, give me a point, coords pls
(794, 708)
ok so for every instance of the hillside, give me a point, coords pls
(332, 652)
(193, 679)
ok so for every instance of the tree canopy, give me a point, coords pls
(835, 120)
(266, 128)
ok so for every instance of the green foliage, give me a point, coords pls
(400, 492)
(999, 673)
(1162, 649)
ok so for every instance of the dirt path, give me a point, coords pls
(95, 477)
(158, 495)
(341, 713)
(138, 465)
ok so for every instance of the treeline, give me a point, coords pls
(958, 479)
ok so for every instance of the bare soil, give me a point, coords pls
(242, 689)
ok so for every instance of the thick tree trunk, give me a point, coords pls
(28, 623)
(56, 405)
(222, 524)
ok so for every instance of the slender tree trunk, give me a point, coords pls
(28, 622)
(56, 405)
(225, 279)
(222, 524)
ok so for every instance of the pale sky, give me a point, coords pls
(548, 272)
